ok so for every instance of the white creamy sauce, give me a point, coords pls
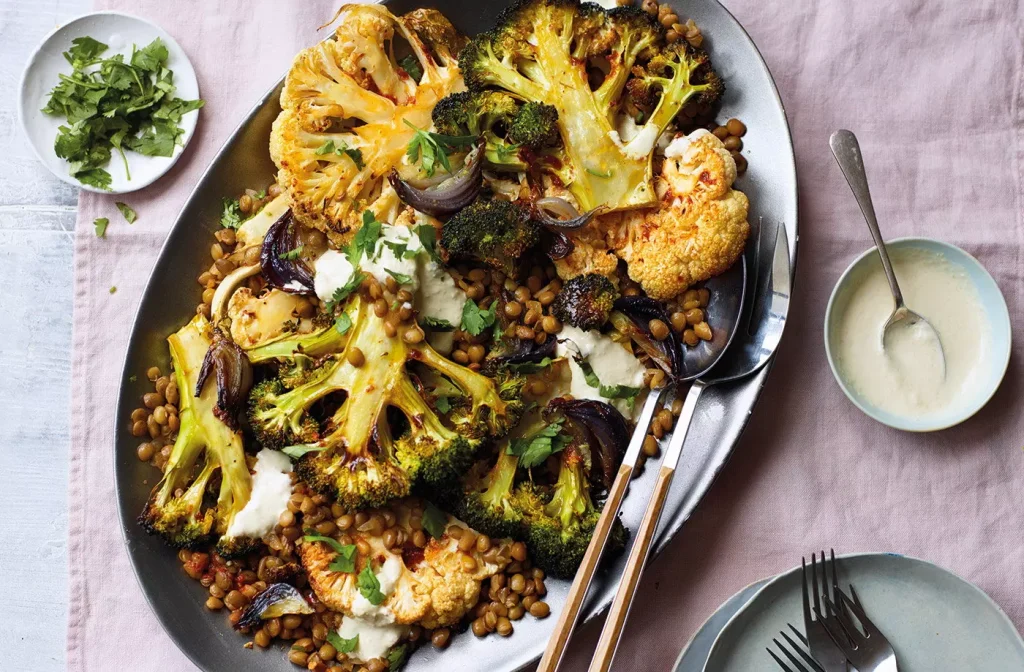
(374, 639)
(435, 293)
(388, 576)
(612, 364)
(643, 143)
(677, 148)
(907, 378)
(271, 489)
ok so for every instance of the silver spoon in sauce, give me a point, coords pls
(905, 329)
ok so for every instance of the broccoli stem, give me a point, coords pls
(571, 498)
(501, 479)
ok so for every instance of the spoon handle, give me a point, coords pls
(846, 149)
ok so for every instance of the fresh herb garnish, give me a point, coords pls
(100, 224)
(340, 644)
(369, 586)
(291, 255)
(114, 104)
(432, 149)
(428, 238)
(400, 278)
(435, 521)
(343, 292)
(365, 240)
(606, 391)
(536, 448)
(597, 173)
(342, 323)
(505, 152)
(436, 324)
(295, 452)
(475, 320)
(345, 560)
(443, 405)
(126, 212)
(530, 367)
(341, 148)
(640, 117)
(397, 655)
(231, 214)
(412, 66)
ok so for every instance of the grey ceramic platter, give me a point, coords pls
(934, 620)
(207, 638)
(694, 656)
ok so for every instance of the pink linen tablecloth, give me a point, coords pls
(935, 91)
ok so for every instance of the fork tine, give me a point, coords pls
(792, 659)
(803, 654)
(855, 636)
(799, 635)
(807, 599)
(835, 574)
(778, 660)
(817, 590)
(843, 641)
(870, 629)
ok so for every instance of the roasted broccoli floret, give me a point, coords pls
(510, 129)
(495, 232)
(585, 301)
(539, 52)
(488, 502)
(182, 509)
(385, 436)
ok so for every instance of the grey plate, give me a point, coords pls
(207, 638)
(694, 655)
(934, 619)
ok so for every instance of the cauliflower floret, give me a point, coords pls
(346, 112)
(434, 588)
(700, 228)
(590, 252)
(256, 320)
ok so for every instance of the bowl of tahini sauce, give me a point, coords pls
(908, 389)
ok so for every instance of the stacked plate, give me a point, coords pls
(935, 620)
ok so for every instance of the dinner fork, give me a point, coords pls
(752, 348)
(818, 640)
(807, 664)
(866, 647)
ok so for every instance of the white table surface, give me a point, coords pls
(37, 219)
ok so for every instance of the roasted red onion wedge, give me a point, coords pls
(280, 266)
(448, 197)
(608, 428)
(632, 317)
(233, 373)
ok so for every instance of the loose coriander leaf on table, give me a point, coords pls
(126, 212)
(435, 521)
(100, 224)
(369, 586)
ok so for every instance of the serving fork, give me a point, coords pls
(818, 640)
(866, 647)
(758, 338)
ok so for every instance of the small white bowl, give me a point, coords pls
(992, 303)
(118, 31)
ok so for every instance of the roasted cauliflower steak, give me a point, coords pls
(346, 110)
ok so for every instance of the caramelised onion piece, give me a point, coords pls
(525, 352)
(279, 599)
(560, 206)
(279, 267)
(233, 373)
(609, 429)
(448, 197)
(632, 316)
(556, 244)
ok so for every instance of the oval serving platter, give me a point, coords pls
(207, 638)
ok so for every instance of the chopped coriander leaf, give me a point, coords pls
(475, 320)
(291, 255)
(369, 586)
(132, 378)
(326, 148)
(397, 655)
(365, 240)
(231, 214)
(432, 149)
(342, 149)
(412, 67)
(606, 391)
(295, 452)
(353, 153)
(342, 323)
(126, 212)
(597, 173)
(443, 405)
(115, 104)
(536, 448)
(343, 292)
(340, 644)
(435, 521)
(428, 238)
(345, 560)
(530, 367)
(400, 278)
(436, 324)
(100, 224)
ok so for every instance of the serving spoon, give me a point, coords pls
(903, 324)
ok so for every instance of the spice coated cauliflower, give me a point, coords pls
(349, 110)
